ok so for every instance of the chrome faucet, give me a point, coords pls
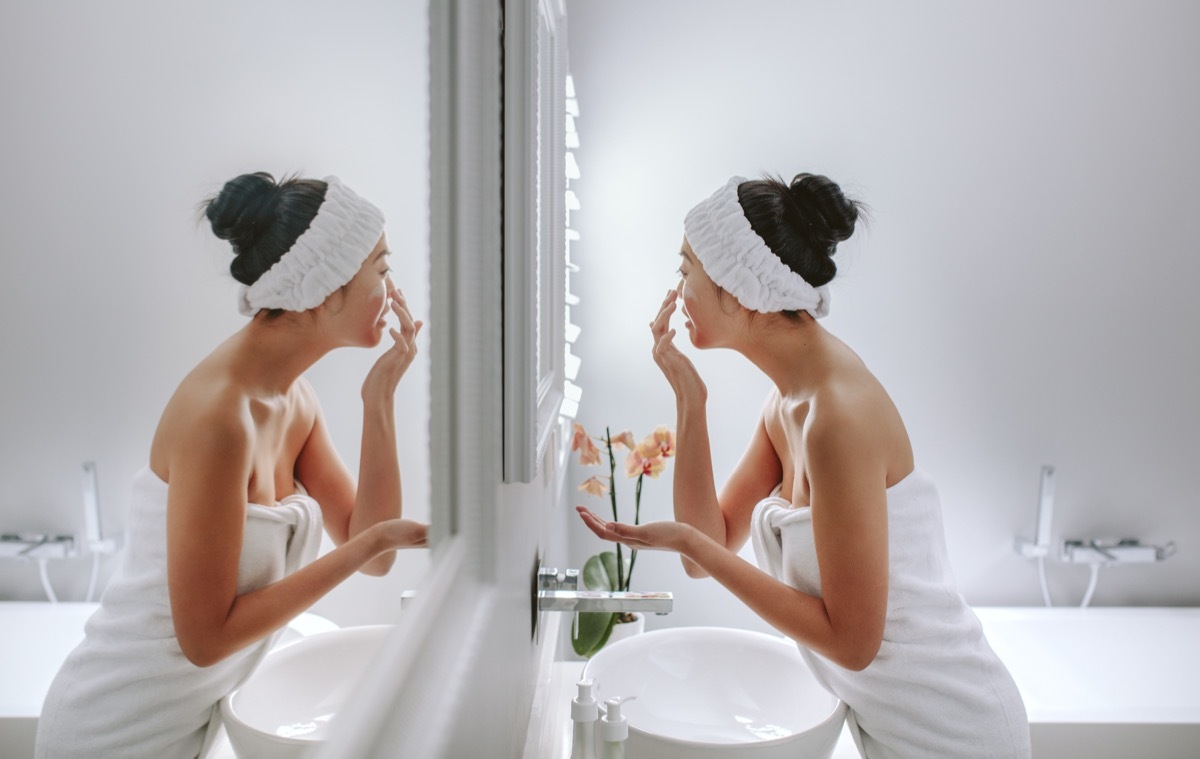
(1109, 552)
(559, 591)
(1039, 547)
(36, 546)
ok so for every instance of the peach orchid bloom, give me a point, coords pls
(595, 486)
(589, 454)
(664, 439)
(625, 439)
(636, 463)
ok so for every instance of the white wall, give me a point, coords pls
(118, 119)
(1025, 287)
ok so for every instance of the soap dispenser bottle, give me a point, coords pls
(584, 711)
(614, 729)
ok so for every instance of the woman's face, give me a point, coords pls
(367, 300)
(706, 321)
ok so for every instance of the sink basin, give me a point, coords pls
(284, 708)
(717, 693)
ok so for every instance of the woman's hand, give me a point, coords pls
(678, 368)
(662, 536)
(381, 381)
(401, 533)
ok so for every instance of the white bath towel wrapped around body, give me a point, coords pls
(936, 688)
(128, 691)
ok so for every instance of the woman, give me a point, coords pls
(226, 517)
(847, 531)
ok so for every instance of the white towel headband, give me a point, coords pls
(738, 261)
(326, 256)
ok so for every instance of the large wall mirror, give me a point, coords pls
(119, 119)
(534, 232)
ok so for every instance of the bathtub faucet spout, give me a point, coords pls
(1039, 547)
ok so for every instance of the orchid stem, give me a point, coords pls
(637, 519)
(612, 492)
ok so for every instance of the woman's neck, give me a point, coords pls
(270, 353)
(796, 356)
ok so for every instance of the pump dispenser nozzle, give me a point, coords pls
(584, 711)
(584, 706)
(614, 727)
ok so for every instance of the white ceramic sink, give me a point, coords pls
(284, 708)
(717, 693)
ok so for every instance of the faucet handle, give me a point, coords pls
(547, 578)
(550, 578)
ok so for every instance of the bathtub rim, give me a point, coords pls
(1187, 713)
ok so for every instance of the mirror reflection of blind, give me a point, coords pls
(571, 391)
(544, 305)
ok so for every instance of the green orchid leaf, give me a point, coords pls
(591, 631)
(609, 559)
(600, 573)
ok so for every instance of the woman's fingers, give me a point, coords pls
(665, 344)
(405, 338)
(400, 309)
(420, 537)
(614, 531)
(594, 523)
(662, 319)
(401, 344)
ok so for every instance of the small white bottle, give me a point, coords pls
(614, 729)
(584, 711)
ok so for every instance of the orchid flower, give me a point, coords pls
(594, 485)
(663, 439)
(589, 454)
(638, 463)
(608, 570)
(625, 439)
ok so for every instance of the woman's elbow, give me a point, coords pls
(858, 657)
(380, 565)
(200, 654)
(693, 570)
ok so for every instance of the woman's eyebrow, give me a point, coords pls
(382, 253)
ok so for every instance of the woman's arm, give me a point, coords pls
(206, 512)
(846, 468)
(724, 518)
(348, 507)
(803, 617)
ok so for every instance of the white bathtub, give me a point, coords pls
(35, 638)
(1104, 682)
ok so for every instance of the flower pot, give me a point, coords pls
(623, 630)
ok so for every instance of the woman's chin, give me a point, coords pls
(376, 335)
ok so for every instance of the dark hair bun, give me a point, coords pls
(822, 209)
(802, 223)
(262, 218)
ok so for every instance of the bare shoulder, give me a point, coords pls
(306, 415)
(770, 406)
(853, 423)
(203, 417)
(303, 392)
(773, 416)
(844, 418)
